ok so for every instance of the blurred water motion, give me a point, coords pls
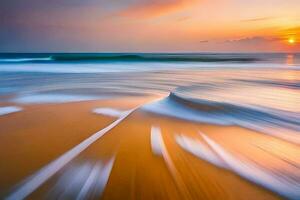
(81, 181)
(257, 92)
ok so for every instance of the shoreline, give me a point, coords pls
(63, 126)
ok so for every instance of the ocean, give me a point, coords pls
(252, 98)
(256, 91)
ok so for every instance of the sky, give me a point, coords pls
(149, 26)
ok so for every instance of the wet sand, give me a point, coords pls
(34, 137)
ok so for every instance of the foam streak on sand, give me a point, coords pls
(9, 109)
(90, 181)
(199, 149)
(255, 173)
(109, 112)
(36, 180)
(53, 98)
(159, 148)
(104, 176)
(82, 180)
(156, 141)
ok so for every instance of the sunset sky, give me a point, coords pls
(149, 25)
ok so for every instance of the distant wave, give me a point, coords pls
(152, 57)
(277, 124)
(120, 57)
(16, 60)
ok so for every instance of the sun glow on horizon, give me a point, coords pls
(291, 41)
(150, 26)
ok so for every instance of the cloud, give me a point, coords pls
(258, 19)
(154, 8)
(251, 40)
(184, 18)
(291, 32)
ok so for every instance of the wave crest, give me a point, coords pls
(274, 123)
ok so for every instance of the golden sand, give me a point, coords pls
(34, 137)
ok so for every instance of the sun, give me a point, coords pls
(291, 41)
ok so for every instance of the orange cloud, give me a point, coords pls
(154, 8)
(291, 32)
(253, 40)
(258, 19)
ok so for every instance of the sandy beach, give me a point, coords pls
(33, 138)
(149, 100)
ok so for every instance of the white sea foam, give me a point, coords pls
(14, 65)
(274, 125)
(82, 180)
(102, 180)
(24, 59)
(276, 181)
(159, 148)
(59, 68)
(89, 182)
(177, 110)
(199, 149)
(9, 109)
(109, 112)
(70, 181)
(53, 98)
(252, 171)
(156, 140)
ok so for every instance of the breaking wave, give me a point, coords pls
(281, 124)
